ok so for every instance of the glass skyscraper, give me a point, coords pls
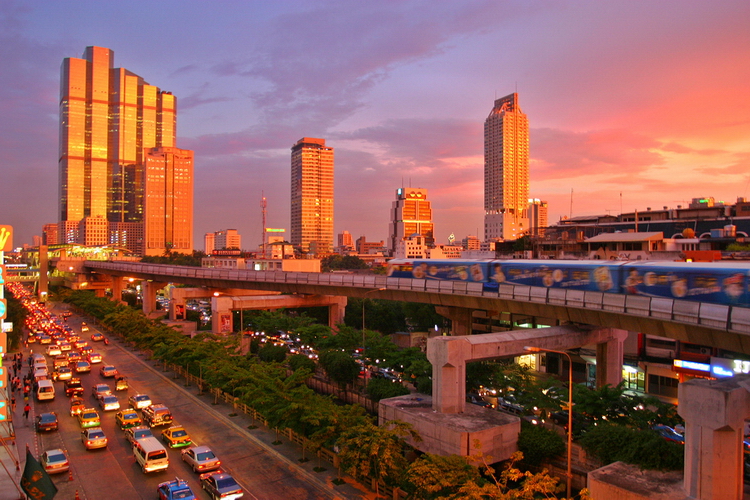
(109, 118)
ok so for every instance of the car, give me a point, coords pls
(139, 401)
(157, 414)
(220, 485)
(45, 339)
(94, 357)
(476, 399)
(62, 373)
(53, 350)
(76, 406)
(137, 432)
(55, 461)
(73, 387)
(97, 337)
(61, 360)
(93, 438)
(89, 417)
(128, 418)
(65, 346)
(73, 357)
(86, 349)
(109, 402)
(84, 327)
(80, 343)
(669, 434)
(100, 390)
(83, 367)
(200, 458)
(172, 490)
(46, 422)
(108, 371)
(176, 436)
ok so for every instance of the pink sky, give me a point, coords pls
(648, 99)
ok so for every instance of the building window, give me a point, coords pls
(662, 386)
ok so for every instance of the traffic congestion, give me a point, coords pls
(76, 390)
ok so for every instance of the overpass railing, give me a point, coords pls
(719, 316)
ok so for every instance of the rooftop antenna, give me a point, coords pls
(620, 202)
(571, 203)
(263, 205)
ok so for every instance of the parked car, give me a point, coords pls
(55, 461)
(220, 485)
(175, 489)
(176, 436)
(200, 458)
(669, 434)
(46, 422)
(93, 438)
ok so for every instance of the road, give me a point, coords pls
(112, 473)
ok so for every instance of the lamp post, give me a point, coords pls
(364, 299)
(569, 474)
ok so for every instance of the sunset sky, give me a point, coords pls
(631, 104)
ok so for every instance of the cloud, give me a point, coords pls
(196, 98)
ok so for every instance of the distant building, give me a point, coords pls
(506, 170)
(93, 231)
(346, 243)
(49, 234)
(209, 243)
(537, 217)
(129, 235)
(411, 213)
(412, 247)
(312, 196)
(168, 201)
(227, 238)
(365, 247)
(471, 243)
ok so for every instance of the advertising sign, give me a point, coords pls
(6, 238)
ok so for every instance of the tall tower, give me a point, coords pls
(410, 213)
(109, 119)
(537, 217)
(506, 171)
(312, 196)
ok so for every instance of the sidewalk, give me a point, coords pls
(15, 434)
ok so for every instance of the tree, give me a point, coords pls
(538, 443)
(376, 451)
(272, 353)
(340, 366)
(434, 476)
(336, 261)
(379, 388)
(301, 362)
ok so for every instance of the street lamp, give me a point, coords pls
(569, 473)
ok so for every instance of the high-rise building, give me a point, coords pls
(109, 119)
(537, 216)
(506, 171)
(168, 201)
(312, 196)
(49, 234)
(227, 238)
(411, 213)
(345, 240)
(209, 243)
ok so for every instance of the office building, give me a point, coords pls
(226, 239)
(537, 216)
(411, 213)
(365, 247)
(49, 234)
(506, 171)
(109, 119)
(346, 241)
(168, 201)
(312, 197)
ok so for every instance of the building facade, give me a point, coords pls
(312, 196)
(168, 201)
(411, 213)
(109, 119)
(537, 217)
(227, 238)
(506, 171)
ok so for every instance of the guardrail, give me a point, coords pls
(723, 317)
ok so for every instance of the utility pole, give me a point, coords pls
(263, 213)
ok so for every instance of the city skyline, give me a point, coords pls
(640, 98)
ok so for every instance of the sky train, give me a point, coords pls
(717, 283)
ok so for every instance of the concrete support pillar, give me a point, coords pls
(714, 413)
(448, 356)
(222, 322)
(336, 311)
(43, 274)
(117, 289)
(148, 291)
(461, 318)
(609, 356)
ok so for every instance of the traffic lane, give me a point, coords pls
(259, 472)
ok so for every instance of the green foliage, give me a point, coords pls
(17, 316)
(435, 477)
(379, 388)
(645, 448)
(340, 366)
(738, 247)
(424, 385)
(422, 317)
(272, 353)
(176, 259)
(301, 362)
(336, 261)
(537, 443)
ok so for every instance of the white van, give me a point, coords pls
(45, 390)
(150, 454)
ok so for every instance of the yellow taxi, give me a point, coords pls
(176, 436)
(89, 417)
